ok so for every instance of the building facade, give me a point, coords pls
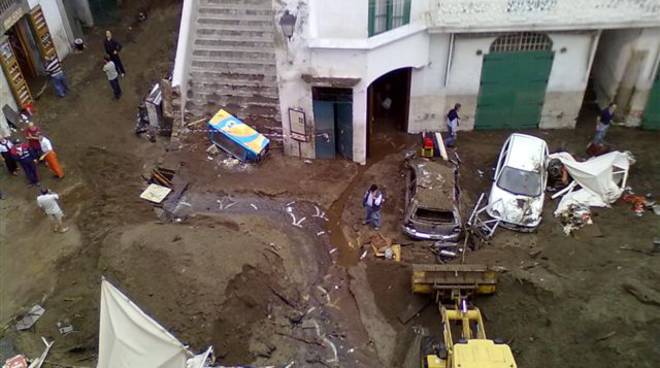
(350, 71)
(32, 31)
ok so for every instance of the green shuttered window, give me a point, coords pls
(385, 15)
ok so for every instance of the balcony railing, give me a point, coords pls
(494, 15)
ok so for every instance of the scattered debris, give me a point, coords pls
(213, 150)
(639, 203)
(574, 217)
(333, 250)
(64, 327)
(254, 206)
(155, 193)
(30, 318)
(606, 336)
(162, 176)
(18, 361)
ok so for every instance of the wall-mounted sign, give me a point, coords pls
(297, 125)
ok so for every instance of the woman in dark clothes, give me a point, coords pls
(112, 48)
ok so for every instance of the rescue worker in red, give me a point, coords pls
(31, 134)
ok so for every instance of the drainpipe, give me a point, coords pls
(450, 57)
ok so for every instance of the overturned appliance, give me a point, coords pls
(597, 182)
(237, 138)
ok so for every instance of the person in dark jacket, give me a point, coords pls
(21, 153)
(112, 48)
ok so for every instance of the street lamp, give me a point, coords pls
(288, 24)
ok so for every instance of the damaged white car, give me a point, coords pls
(516, 197)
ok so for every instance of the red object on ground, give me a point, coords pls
(16, 362)
(638, 202)
(428, 143)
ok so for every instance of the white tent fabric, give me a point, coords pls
(131, 339)
(601, 178)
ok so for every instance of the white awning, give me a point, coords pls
(128, 338)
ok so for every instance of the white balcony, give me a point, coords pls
(515, 15)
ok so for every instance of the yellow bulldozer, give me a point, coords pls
(463, 342)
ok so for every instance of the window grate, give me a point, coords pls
(525, 41)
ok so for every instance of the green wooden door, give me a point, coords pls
(651, 118)
(512, 89)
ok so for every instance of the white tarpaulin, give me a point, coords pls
(601, 178)
(131, 339)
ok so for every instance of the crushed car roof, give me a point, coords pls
(435, 183)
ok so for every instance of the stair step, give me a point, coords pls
(234, 34)
(264, 15)
(235, 78)
(235, 45)
(202, 88)
(267, 57)
(263, 75)
(238, 3)
(232, 65)
(239, 102)
(236, 24)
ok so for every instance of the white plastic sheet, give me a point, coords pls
(131, 339)
(602, 178)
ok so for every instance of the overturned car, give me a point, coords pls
(518, 190)
(432, 207)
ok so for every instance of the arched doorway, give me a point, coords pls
(514, 78)
(387, 109)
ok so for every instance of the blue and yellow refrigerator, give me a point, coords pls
(237, 138)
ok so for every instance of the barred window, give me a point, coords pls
(524, 41)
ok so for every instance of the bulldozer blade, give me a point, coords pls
(475, 279)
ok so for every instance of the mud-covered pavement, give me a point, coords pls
(263, 262)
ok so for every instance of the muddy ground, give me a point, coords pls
(263, 262)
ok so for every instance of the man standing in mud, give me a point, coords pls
(113, 78)
(112, 48)
(372, 202)
(47, 201)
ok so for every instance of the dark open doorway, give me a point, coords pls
(26, 51)
(387, 108)
(333, 122)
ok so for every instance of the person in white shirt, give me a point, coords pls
(113, 77)
(372, 201)
(47, 201)
(50, 157)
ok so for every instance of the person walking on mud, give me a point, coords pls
(603, 123)
(113, 78)
(452, 125)
(56, 74)
(47, 201)
(5, 151)
(112, 48)
(372, 202)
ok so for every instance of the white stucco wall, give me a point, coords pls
(183, 58)
(332, 43)
(330, 19)
(568, 79)
(624, 69)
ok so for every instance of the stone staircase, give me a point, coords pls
(233, 61)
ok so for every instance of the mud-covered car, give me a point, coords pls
(432, 201)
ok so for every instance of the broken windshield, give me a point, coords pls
(521, 182)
